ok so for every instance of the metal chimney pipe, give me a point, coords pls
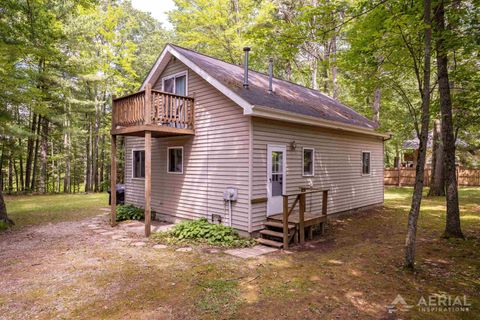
(270, 75)
(245, 65)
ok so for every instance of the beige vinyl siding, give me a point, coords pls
(215, 158)
(338, 166)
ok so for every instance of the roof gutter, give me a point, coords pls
(270, 113)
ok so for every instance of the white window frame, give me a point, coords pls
(176, 75)
(133, 163)
(369, 163)
(303, 162)
(168, 159)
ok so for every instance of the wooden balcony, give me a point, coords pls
(163, 114)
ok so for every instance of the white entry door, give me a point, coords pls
(276, 178)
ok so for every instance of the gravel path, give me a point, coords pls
(50, 271)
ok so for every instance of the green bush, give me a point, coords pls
(129, 212)
(202, 231)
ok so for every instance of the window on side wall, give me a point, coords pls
(138, 163)
(366, 162)
(175, 160)
(308, 162)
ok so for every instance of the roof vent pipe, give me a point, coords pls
(270, 75)
(245, 65)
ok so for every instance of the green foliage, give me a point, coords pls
(202, 231)
(3, 225)
(129, 212)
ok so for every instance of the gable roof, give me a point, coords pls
(288, 102)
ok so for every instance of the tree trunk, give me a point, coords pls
(437, 180)
(66, 142)
(326, 60)
(96, 138)
(89, 156)
(43, 156)
(15, 169)
(452, 227)
(376, 105)
(35, 154)
(334, 66)
(10, 171)
(3, 211)
(30, 148)
(314, 73)
(22, 181)
(288, 71)
(1, 165)
(422, 150)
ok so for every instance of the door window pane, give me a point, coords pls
(277, 173)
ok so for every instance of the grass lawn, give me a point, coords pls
(39, 209)
(353, 273)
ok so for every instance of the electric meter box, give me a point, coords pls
(230, 194)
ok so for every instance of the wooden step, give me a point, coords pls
(272, 233)
(270, 243)
(275, 224)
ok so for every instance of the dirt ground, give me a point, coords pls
(65, 270)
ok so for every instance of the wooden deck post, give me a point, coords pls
(113, 181)
(148, 104)
(301, 216)
(285, 222)
(324, 202)
(148, 181)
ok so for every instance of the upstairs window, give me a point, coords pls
(365, 162)
(138, 163)
(176, 84)
(308, 162)
(175, 160)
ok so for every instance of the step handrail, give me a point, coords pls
(300, 199)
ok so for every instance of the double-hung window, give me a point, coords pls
(308, 162)
(365, 162)
(138, 163)
(175, 160)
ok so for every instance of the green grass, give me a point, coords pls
(39, 209)
(218, 297)
(432, 213)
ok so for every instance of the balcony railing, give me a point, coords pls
(153, 107)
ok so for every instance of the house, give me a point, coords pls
(233, 145)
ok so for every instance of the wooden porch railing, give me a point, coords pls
(153, 107)
(300, 199)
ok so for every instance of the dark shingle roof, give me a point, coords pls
(287, 96)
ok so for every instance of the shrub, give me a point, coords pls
(202, 231)
(129, 212)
